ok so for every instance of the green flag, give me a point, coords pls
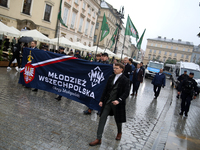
(130, 29)
(114, 37)
(59, 15)
(104, 27)
(140, 41)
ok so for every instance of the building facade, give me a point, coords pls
(31, 14)
(196, 55)
(80, 16)
(163, 49)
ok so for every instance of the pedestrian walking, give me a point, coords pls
(113, 102)
(141, 66)
(128, 68)
(188, 89)
(130, 61)
(158, 82)
(137, 79)
(181, 78)
(16, 55)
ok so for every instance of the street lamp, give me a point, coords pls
(121, 16)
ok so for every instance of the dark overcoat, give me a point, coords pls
(122, 93)
(140, 75)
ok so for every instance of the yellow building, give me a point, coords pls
(163, 49)
(31, 14)
(80, 17)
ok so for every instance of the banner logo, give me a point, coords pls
(96, 76)
(29, 73)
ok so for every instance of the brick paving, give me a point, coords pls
(35, 120)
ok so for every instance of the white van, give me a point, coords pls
(190, 67)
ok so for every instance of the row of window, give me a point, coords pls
(164, 58)
(27, 8)
(170, 47)
(175, 55)
(150, 51)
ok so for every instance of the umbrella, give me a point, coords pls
(82, 47)
(6, 30)
(63, 42)
(25, 39)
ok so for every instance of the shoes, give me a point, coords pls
(135, 94)
(155, 97)
(132, 94)
(96, 142)
(35, 90)
(87, 112)
(8, 68)
(58, 98)
(186, 114)
(181, 113)
(118, 137)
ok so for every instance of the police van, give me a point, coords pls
(190, 67)
(152, 68)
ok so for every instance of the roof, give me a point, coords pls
(172, 41)
(190, 65)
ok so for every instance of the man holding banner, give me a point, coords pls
(113, 102)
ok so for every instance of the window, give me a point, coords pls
(188, 50)
(176, 48)
(159, 52)
(161, 45)
(187, 56)
(73, 20)
(170, 54)
(166, 46)
(171, 47)
(27, 7)
(86, 28)
(94, 14)
(89, 11)
(76, 1)
(150, 51)
(165, 53)
(66, 10)
(97, 25)
(95, 38)
(154, 52)
(149, 57)
(4, 3)
(175, 54)
(47, 13)
(80, 25)
(83, 5)
(151, 44)
(183, 49)
(182, 56)
(156, 45)
(164, 59)
(91, 30)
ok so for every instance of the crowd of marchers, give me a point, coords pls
(126, 76)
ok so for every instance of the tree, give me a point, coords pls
(170, 61)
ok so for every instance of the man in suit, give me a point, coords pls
(137, 79)
(33, 45)
(128, 69)
(113, 102)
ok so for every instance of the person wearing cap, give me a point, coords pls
(181, 78)
(188, 90)
(158, 82)
(77, 55)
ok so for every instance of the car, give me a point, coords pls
(152, 68)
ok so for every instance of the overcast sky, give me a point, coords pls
(178, 19)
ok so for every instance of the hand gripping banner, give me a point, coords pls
(76, 79)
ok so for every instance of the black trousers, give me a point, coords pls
(186, 101)
(136, 85)
(156, 89)
(13, 57)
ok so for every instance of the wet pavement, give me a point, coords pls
(35, 120)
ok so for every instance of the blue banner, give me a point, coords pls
(76, 79)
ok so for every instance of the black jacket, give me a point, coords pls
(123, 92)
(143, 70)
(189, 86)
(182, 77)
(127, 70)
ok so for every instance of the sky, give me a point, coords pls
(177, 19)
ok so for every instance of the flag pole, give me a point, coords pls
(98, 42)
(107, 45)
(123, 46)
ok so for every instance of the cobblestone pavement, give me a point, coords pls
(35, 120)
